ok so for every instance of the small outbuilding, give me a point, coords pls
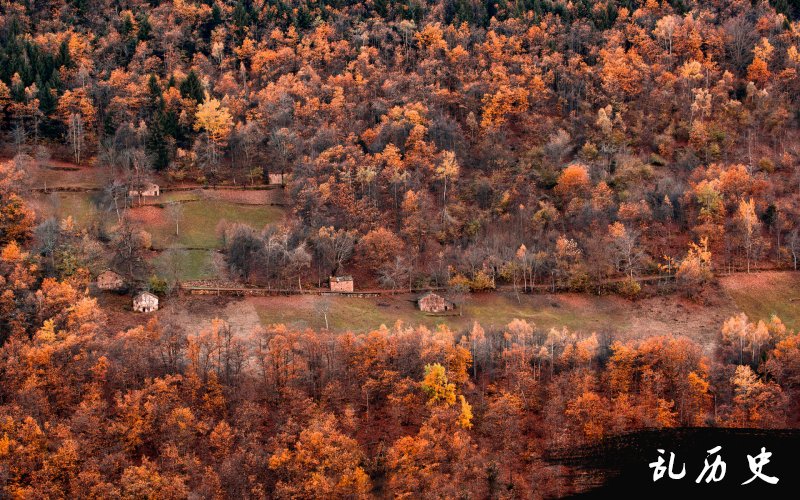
(145, 302)
(341, 283)
(277, 179)
(111, 281)
(147, 189)
(434, 303)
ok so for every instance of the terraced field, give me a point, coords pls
(201, 221)
(82, 207)
(758, 295)
(185, 265)
(189, 255)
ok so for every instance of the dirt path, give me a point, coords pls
(59, 176)
(196, 316)
(236, 289)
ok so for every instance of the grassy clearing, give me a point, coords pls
(610, 316)
(577, 312)
(186, 264)
(171, 196)
(763, 294)
(199, 233)
(62, 174)
(199, 226)
(61, 205)
(200, 222)
(490, 310)
(239, 197)
(248, 197)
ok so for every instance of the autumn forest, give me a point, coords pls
(540, 153)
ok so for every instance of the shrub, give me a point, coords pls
(157, 285)
(482, 282)
(578, 281)
(630, 288)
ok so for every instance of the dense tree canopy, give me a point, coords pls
(457, 126)
(460, 144)
(160, 411)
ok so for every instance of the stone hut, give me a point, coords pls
(147, 189)
(109, 280)
(341, 283)
(434, 303)
(145, 302)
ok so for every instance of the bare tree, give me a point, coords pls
(284, 143)
(244, 251)
(140, 169)
(794, 245)
(298, 261)
(43, 156)
(323, 307)
(741, 38)
(175, 259)
(48, 234)
(244, 145)
(334, 247)
(175, 212)
(128, 248)
(459, 295)
(115, 196)
(396, 274)
(76, 136)
(19, 136)
(24, 164)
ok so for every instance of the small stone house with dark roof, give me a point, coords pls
(145, 302)
(434, 303)
(109, 280)
(341, 283)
